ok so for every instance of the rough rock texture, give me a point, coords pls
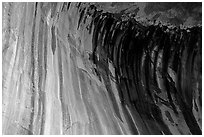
(98, 68)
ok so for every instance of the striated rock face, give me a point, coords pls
(87, 68)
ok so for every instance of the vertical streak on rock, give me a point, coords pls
(45, 37)
(6, 25)
(63, 106)
(33, 71)
(44, 64)
(53, 9)
(53, 44)
(41, 72)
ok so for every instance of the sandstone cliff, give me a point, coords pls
(83, 68)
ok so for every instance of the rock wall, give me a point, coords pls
(78, 68)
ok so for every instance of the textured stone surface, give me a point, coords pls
(91, 68)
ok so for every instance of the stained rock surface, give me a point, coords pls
(98, 68)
